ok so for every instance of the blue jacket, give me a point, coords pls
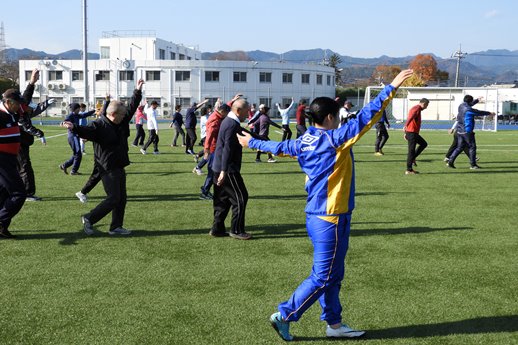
(75, 118)
(326, 157)
(466, 117)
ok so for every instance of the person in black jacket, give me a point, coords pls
(110, 137)
(229, 187)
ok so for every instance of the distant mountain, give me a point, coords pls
(28, 54)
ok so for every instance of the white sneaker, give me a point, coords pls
(143, 151)
(87, 226)
(271, 160)
(119, 231)
(197, 171)
(343, 332)
(82, 197)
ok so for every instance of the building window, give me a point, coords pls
(328, 80)
(105, 52)
(161, 54)
(154, 99)
(513, 106)
(188, 58)
(28, 75)
(287, 78)
(126, 75)
(183, 75)
(152, 75)
(185, 102)
(77, 75)
(76, 99)
(181, 57)
(266, 101)
(285, 102)
(304, 78)
(102, 75)
(212, 101)
(239, 77)
(265, 77)
(319, 79)
(172, 55)
(211, 75)
(55, 75)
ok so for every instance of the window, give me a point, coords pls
(212, 101)
(287, 78)
(183, 75)
(77, 75)
(152, 75)
(172, 55)
(76, 100)
(188, 58)
(181, 57)
(285, 101)
(154, 99)
(239, 77)
(513, 106)
(102, 75)
(304, 78)
(211, 75)
(161, 54)
(126, 75)
(265, 77)
(105, 52)
(55, 75)
(328, 80)
(266, 101)
(28, 75)
(185, 102)
(319, 79)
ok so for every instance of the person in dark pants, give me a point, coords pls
(263, 122)
(412, 128)
(229, 187)
(152, 126)
(177, 123)
(301, 118)
(74, 141)
(139, 126)
(285, 116)
(190, 126)
(381, 134)
(110, 137)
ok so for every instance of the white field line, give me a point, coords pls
(55, 136)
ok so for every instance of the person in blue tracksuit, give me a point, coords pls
(325, 154)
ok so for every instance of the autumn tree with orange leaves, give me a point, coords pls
(384, 73)
(425, 67)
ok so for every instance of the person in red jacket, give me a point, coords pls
(139, 126)
(412, 128)
(301, 118)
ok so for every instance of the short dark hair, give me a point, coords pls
(154, 103)
(468, 99)
(177, 107)
(320, 108)
(82, 105)
(424, 100)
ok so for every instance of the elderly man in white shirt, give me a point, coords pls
(285, 115)
(152, 126)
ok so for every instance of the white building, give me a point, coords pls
(174, 74)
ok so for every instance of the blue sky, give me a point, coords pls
(360, 28)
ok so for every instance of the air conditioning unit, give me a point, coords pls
(63, 112)
(51, 86)
(166, 113)
(62, 86)
(165, 105)
(63, 104)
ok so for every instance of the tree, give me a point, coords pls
(10, 75)
(334, 61)
(385, 74)
(238, 55)
(424, 66)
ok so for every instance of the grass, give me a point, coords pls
(432, 258)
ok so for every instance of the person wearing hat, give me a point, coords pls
(190, 126)
(73, 139)
(263, 122)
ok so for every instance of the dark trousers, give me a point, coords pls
(414, 139)
(466, 139)
(77, 155)
(25, 170)
(381, 136)
(153, 139)
(231, 194)
(93, 180)
(179, 131)
(301, 130)
(12, 190)
(141, 135)
(114, 182)
(210, 175)
(453, 146)
(287, 132)
(191, 139)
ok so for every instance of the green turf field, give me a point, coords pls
(433, 258)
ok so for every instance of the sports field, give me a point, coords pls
(433, 258)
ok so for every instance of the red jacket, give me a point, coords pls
(212, 131)
(413, 123)
(140, 116)
(9, 132)
(301, 117)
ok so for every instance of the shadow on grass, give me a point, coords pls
(489, 324)
(401, 231)
(484, 170)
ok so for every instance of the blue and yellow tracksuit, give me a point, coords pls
(327, 159)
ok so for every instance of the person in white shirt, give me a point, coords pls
(285, 115)
(345, 112)
(152, 126)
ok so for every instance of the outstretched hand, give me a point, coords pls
(401, 77)
(67, 124)
(244, 139)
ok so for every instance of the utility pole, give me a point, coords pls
(3, 46)
(459, 54)
(85, 55)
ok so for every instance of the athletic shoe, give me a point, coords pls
(271, 160)
(119, 231)
(206, 196)
(32, 198)
(381, 151)
(477, 159)
(143, 151)
(378, 154)
(450, 165)
(411, 172)
(87, 226)
(156, 152)
(240, 236)
(173, 145)
(474, 167)
(343, 331)
(197, 171)
(196, 159)
(133, 145)
(82, 197)
(281, 327)
(446, 159)
(4, 233)
(189, 152)
(75, 173)
(258, 161)
(214, 233)
(62, 167)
